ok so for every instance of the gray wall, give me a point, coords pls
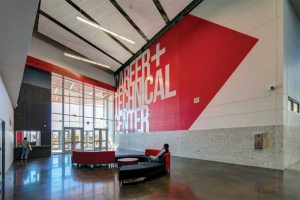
(16, 20)
(36, 77)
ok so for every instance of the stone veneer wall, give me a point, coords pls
(228, 145)
(291, 140)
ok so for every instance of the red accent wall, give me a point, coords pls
(19, 137)
(201, 56)
(48, 67)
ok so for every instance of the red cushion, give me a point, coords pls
(154, 152)
(93, 157)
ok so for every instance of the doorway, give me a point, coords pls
(73, 139)
(2, 159)
(101, 139)
(79, 139)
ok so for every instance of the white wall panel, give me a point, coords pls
(7, 114)
(246, 99)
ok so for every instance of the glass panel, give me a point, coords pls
(38, 138)
(26, 134)
(104, 133)
(56, 141)
(77, 135)
(67, 146)
(77, 146)
(56, 106)
(111, 97)
(100, 123)
(103, 145)
(55, 90)
(88, 91)
(75, 106)
(85, 106)
(56, 122)
(97, 135)
(56, 81)
(99, 109)
(99, 93)
(89, 136)
(89, 146)
(68, 136)
(290, 105)
(295, 107)
(33, 137)
(88, 108)
(88, 123)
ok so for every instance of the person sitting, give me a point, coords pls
(25, 148)
(160, 156)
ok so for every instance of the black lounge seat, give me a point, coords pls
(145, 169)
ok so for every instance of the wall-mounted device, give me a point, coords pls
(259, 141)
(196, 100)
(272, 88)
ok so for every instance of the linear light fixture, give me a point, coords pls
(86, 60)
(104, 29)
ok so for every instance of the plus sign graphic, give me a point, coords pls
(159, 52)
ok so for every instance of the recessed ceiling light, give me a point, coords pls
(104, 29)
(86, 60)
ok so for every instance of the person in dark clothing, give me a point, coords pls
(25, 144)
(158, 157)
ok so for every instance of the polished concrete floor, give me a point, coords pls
(56, 178)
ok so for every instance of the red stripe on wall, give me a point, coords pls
(48, 67)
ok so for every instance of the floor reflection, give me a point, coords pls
(56, 178)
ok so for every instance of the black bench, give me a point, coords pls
(144, 169)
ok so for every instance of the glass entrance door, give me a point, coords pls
(68, 139)
(88, 140)
(73, 139)
(57, 141)
(101, 139)
(97, 139)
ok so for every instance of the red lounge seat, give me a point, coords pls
(93, 157)
(154, 152)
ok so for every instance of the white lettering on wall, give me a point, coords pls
(139, 85)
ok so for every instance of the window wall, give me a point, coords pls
(34, 137)
(82, 116)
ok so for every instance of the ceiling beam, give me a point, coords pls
(77, 35)
(161, 11)
(62, 47)
(174, 21)
(120, 9)
(94, 21)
